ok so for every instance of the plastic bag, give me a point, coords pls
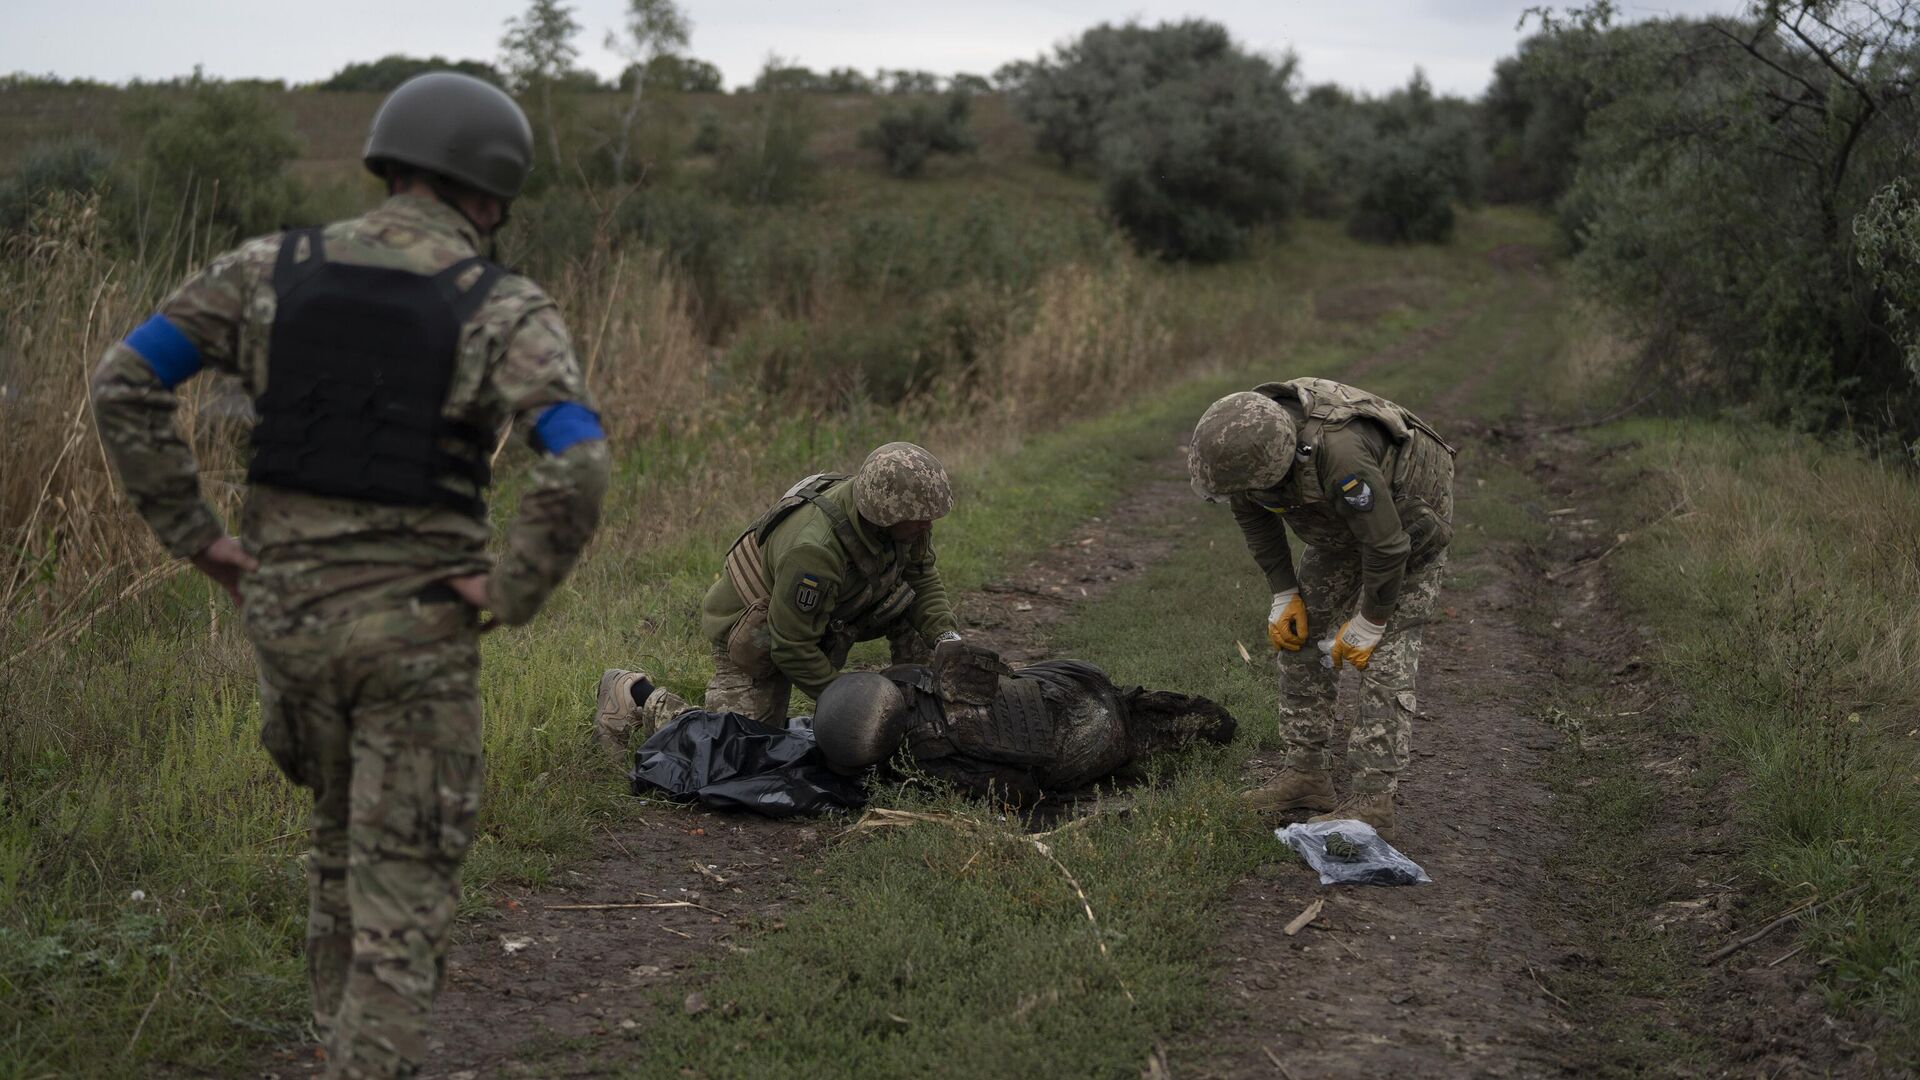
(1359, 856)
(728, 761)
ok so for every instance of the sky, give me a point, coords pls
(1371, 45)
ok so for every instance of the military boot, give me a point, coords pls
(1292, 789)
(1374, 808)
(616, 712)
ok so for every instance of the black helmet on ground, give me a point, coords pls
(465, 129)
(859, 720)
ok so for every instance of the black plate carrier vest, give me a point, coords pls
(358, 370)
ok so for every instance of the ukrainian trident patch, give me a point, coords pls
(806, 595)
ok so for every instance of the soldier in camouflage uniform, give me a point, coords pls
(384, 356)
(1368, 487)
(836, 561)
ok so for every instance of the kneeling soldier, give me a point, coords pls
(1368, 487)
(836, 561)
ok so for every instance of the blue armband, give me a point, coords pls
(561, 426)
(169, 355)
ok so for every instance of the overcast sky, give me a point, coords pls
(1367, 44)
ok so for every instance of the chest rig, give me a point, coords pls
(882, 597)
(359, 364)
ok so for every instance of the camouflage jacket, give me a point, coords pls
(323, 557)
(811, 573)
(1354, 488)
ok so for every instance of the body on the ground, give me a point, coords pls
(965, 717)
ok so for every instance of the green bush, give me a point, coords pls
(773, 164)
(906, 137)
(393, 69)
(1069, 97)
(1407, 198)
(709, 137)
(77, 166)
(1723, 166)
(1187, 170)
(217, 154)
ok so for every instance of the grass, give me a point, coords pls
(959, 933)
(130, 758)
(1781, 599)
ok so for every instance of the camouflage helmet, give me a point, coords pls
(465, 129)
(1243, 442)
(859, 721)
(902, 482)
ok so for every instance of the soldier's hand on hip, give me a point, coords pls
(226, 562)
(1287, 621)
(473, 589)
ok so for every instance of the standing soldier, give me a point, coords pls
(384, 354)
(837, 560)
(1368, 487)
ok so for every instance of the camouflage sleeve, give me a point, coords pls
(134, 402)
(540, 380)
(932, 613)
(806, 584)
(1361, 494)
(1267, 540)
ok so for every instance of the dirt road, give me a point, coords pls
(1474, 975)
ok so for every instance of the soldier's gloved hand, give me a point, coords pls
(1355, 642)
(951, 635)
(1287, 622)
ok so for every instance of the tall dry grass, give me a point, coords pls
(68, 546)
(1082, 339)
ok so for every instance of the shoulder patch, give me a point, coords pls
(1356, 491)
(806, 595)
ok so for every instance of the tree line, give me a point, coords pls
(1735, 190)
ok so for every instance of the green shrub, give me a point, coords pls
(1723, 166)
(217, 153)
(393, 69)
(1187, 170)
(906, 137)
(709, 137)
(1407, 198)
(773, 164)
(78, 165)
(1068, 97)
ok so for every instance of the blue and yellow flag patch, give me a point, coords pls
(1356, 491)
(806, 595)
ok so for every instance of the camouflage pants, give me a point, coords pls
(662, 705)
(732, 689)
(380, 716)
(1377, 747)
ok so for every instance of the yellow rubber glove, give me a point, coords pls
(1287, 622)
(1354, 644)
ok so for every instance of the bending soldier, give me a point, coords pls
(1368, 488)
(384, 354)
(836, 561)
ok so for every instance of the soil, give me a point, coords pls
(1453, 979)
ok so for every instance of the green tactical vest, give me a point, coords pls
(883, 596)
(1422, 467)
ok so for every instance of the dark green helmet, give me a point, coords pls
(860, 720)
(465, 129)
